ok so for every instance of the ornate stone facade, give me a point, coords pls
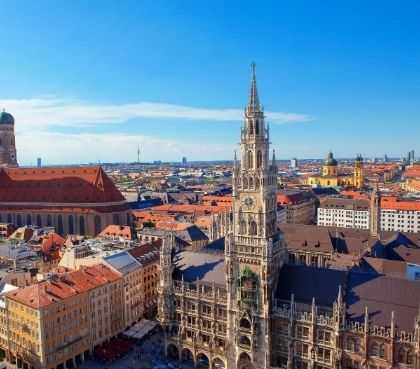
(236, 305)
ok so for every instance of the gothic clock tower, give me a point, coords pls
(255, 251)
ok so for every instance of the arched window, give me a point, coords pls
(259, 159)
(257, 183)
(116, 219)
(251, 183)
(19, 220)
(253, 228)
(28, 219)
(60, 228)
(242, 227)
(409, 357)
(98, 224)
(245, 183)
(71, 224)
(382, 351)
(9, 218)
(250, 161)
(245, 323)
(374, 349)
(49, 220)
(244, 341)
(38, 220)
(82, 225)
(257, 127)
(251, 128)
(401, 355)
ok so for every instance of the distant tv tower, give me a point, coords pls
(138, 154)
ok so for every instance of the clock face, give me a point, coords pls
(248, 201)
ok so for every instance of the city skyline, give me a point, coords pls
(173, 78)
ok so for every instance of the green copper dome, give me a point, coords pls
(6, 118)
(330, 159)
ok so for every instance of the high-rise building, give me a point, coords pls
(39, 162)
(184, 160)
(7, 140)
(294, 163)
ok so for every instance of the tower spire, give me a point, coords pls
(254, 103)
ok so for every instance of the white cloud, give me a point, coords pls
(50, 111)
(61, 148)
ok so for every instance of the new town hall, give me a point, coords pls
(239, 304)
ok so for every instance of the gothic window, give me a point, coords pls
(82, 225)
(71, 224)
(259, 159)
(242, 227)
(245, 342)
(250, 160)
(257, 183)
(382, 351)
(405, 356)
(49, 220)
(116, 219)
(257, 127)
(38, 220)
(28, 219)
(374, 349)
(253, 228)
(9, 218)
(251, 183)
(409, 357)
(251, 128)
(19, 220)
(401, 356)
(60, 227)
(244, 323)
(98, 224)
(245, 183)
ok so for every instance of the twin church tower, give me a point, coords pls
(7, 140)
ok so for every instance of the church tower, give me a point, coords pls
(255, 251)
(375, 213)
(7, 140)
(358, 177)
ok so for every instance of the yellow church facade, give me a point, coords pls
(330, 176)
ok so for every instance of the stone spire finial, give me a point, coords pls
(392, 324)
(254, 103)
(340, 294)
(274, 157)
(366, 319)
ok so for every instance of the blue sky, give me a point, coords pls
(90, 80)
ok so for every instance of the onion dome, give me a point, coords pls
(6, 118)
(330, 159)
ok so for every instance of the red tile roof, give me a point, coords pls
(114, 230)
(64, 286)
(52, 242)
(79, 185)
(394, 203)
